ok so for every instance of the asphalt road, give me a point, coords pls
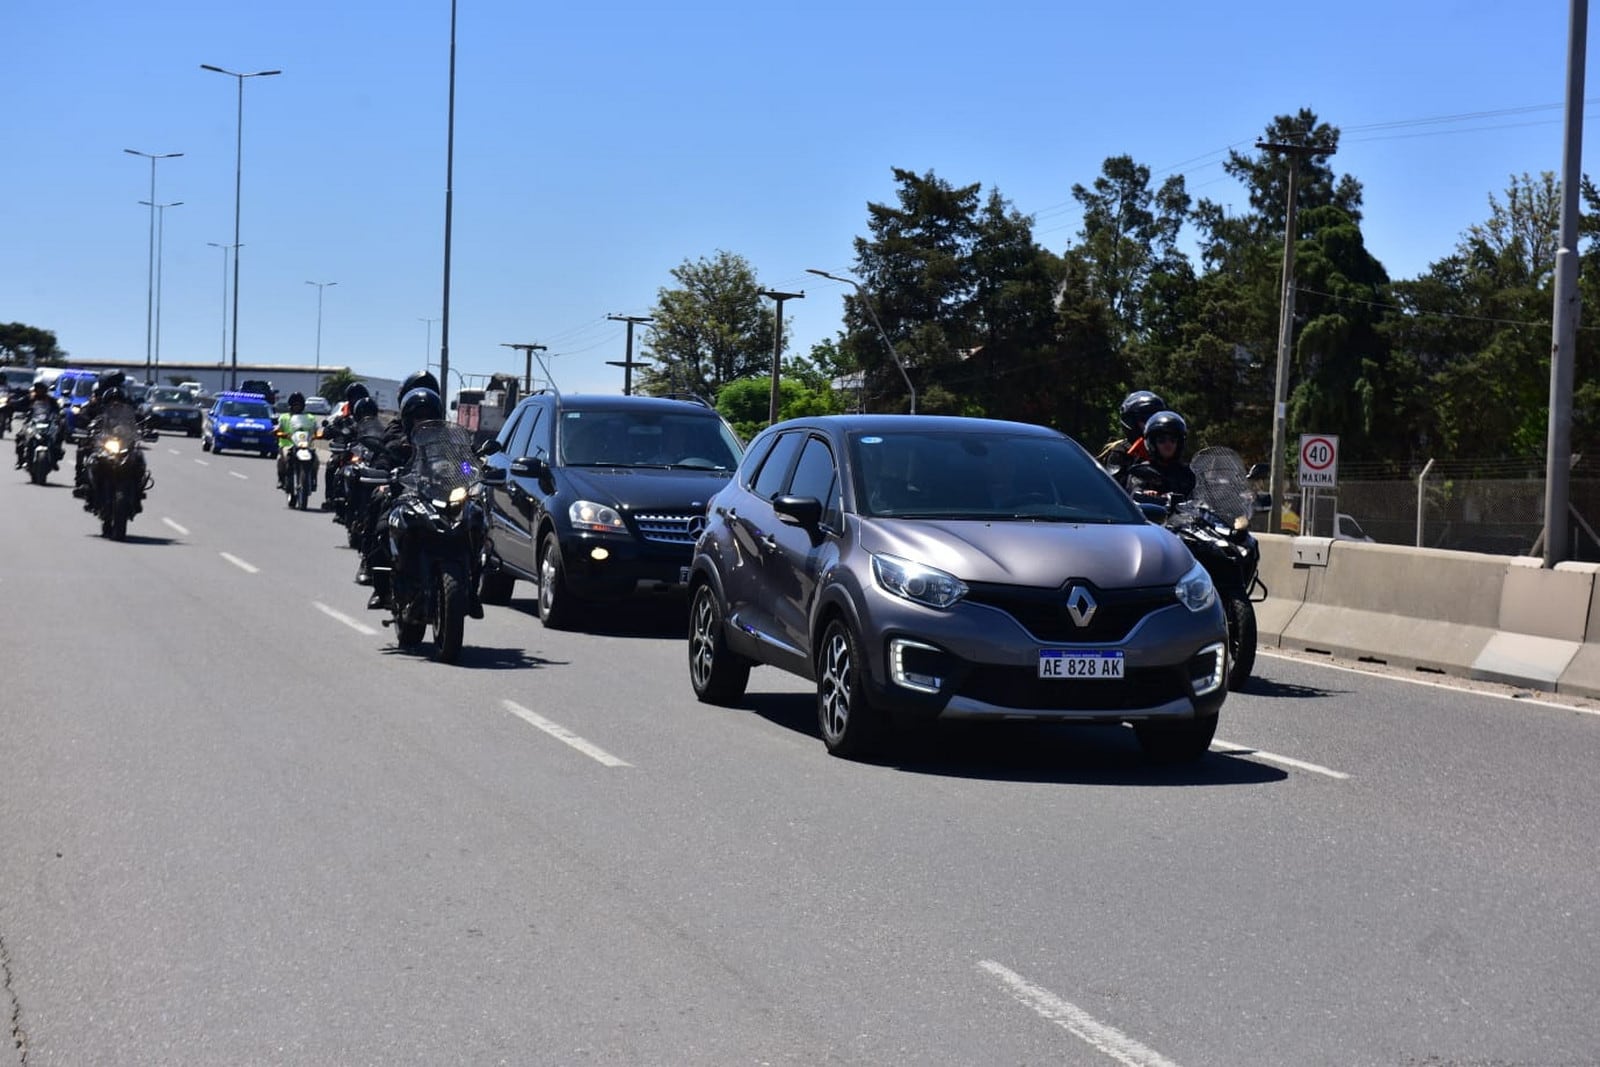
(237, 825)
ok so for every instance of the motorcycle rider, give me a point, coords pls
(1164, 474)
(107, 391)
(1129, 449)
(392, 453)
(42, 405)
(289, 423)
(353, 394)
(108, 407)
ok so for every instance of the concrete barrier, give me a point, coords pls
(1286, 588)
(1581, 677)
(1544, 617)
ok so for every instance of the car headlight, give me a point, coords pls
(917, 582)
(1195, 590)
(599, 518)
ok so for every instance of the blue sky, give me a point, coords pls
(598, 146)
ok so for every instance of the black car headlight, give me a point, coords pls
(1195, 590)
(595, 518)
(917, 582)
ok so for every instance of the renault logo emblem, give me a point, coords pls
(1081, 606)
(697, 526)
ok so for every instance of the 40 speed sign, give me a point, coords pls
(1319, 460)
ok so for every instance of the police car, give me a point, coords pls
(240, 421)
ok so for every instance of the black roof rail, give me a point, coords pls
(691, 397)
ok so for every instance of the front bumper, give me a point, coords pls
(188, 421)
(244, 440)
(625, 566)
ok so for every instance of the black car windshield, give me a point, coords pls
(642, 438)
(249, 409)
(983, 474)
(167, 396)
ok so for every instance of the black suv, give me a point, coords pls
(592, 497)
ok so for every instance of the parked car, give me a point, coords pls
(168, 407)
(241, 421)
(593, 497)
(927, 567)
(318, 406)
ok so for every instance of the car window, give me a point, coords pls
(638, 437)
(168, 396)
(760, 448)
(540, 443)
(509, 430)
(82, 388)
(775, 470)
(519, 443)
(815, 477)
(985, 474)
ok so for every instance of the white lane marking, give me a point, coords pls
(202, 463)
(1273, 757)
(1536, 699)
(175, 451)
(358, 627)
(1073, 1019)
(241, 564)
(236, 474)
(175, 526)
(564, 735)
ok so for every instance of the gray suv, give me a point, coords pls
(923, 567)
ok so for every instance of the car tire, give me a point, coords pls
(1241, 641)
(717, 673)
(205, 445)
(1176, 742)
(558, 608)
(851, 726)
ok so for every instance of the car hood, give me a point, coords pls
(244, 422)
(1038, 554)
(635, 489)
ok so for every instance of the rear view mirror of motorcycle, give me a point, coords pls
(372, 476)
(1155, 513)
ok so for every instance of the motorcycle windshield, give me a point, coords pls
(442, 459)
(119, 421)
(1220, 483)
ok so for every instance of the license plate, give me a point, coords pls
(1058, 663)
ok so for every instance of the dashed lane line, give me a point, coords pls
(358, 627)
(236, 474)
(1077, 1022)
(1273, 757)
(564, 735)
(241, 564)
(181, 530)
(202, 463)
(175, 451)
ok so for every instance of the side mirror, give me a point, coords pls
(802, 511)
(1259, 470)
(372, 476)
(1153, 512)
(491, 447)
(493, 476)
(530, 467)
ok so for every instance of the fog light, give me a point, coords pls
(1208, 669)
(599, 554)
(912, 665)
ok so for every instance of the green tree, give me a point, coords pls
(333, 385)
(746, 403)
(712, 328)
(21, 343)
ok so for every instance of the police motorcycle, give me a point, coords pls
(301, 477)
(1214, 524)
(39, 444)
(117, 477)
(435, 530)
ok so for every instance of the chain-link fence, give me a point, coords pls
(1496, 508)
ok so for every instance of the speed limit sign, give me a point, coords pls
(1319, 460)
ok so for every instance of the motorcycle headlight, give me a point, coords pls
(1195, 590)
(114, 447)
(917, 582)
(597, 518)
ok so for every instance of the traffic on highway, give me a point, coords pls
(464, 756)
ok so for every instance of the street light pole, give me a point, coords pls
(238, 182)
(320, 287)
(427, 343)
(777, 347)
(866, 303)
(225, 248)
(150, 286)
(449, 211)
(151, 371)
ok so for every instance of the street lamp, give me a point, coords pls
(320, 286)
(150, 285)
(150, 374)
(225, 249)
(427, 342)
(866, 303)
(238, 175)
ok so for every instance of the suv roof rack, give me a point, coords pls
(694, 398)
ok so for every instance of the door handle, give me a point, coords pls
(769, 540)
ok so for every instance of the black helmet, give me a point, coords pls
(355, 391)
(1136, 408)
(1166, 424)
(297, 400)
(107, 382)
(420, 405)
(113, 395)
(420, 380)
(41, 388)
(365, 408)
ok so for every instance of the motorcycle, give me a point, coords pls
(435, 530)
(117, 476)
(302, 464)
(366, 456)
(1214, 524)
(38, 447)
(341, 452)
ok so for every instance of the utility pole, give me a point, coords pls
(628, 364)
(1280, 390)
(527, 355)
(777, 347)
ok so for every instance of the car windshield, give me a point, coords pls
(983, 474)
(19, 379)
(82, 387)
(636, 438)
(250, 409)
(167, 396)
(316, 405)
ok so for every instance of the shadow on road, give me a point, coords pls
(1266, 687)
(1024, 751)
(479, 657)
(133, 539)
(651, 617)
